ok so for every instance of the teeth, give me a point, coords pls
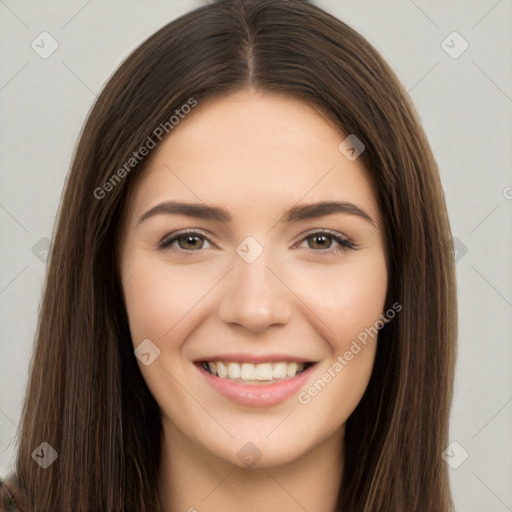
(264, 371)
(291, 369)
(254, 372)
(221, 370)
(248, 371)
(279, 371)
(234, 371)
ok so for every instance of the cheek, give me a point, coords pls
(158, 296)
(349, 305)
(348, 299)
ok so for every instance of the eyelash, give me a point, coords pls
(345, 243)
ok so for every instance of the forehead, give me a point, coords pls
(252, 148)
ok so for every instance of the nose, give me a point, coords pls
(254, 297)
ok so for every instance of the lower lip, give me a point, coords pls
(257, 395)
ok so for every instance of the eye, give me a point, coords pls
(322, 241)
(187, 241)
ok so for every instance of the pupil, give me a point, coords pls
(190, 240)
(320, 239)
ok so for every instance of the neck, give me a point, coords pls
(194, 480)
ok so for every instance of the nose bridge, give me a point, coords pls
(254, 297)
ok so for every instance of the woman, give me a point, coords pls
(250, 301)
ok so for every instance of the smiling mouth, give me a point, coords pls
(255, 373)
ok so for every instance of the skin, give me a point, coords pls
(256, 155)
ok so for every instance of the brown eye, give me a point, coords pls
(185, 241)
(321, 241)
(190, 242)
(325, 243)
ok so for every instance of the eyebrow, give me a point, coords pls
(294, 214)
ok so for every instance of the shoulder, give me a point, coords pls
(10, 496)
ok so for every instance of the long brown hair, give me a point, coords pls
(86, 396)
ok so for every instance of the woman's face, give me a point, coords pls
(253, 281)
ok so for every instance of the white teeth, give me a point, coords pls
(264, 371)
(255, 372)
(248, 372)
(279, 371)
(291, 369)
(234, 370)
(221, 370)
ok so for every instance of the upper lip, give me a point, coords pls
(255, 359)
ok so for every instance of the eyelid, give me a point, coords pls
(344, 241)
(170, 238)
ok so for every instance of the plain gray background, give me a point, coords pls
(465, 106)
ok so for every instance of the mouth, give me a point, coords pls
(250, 373)
(257, 384)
